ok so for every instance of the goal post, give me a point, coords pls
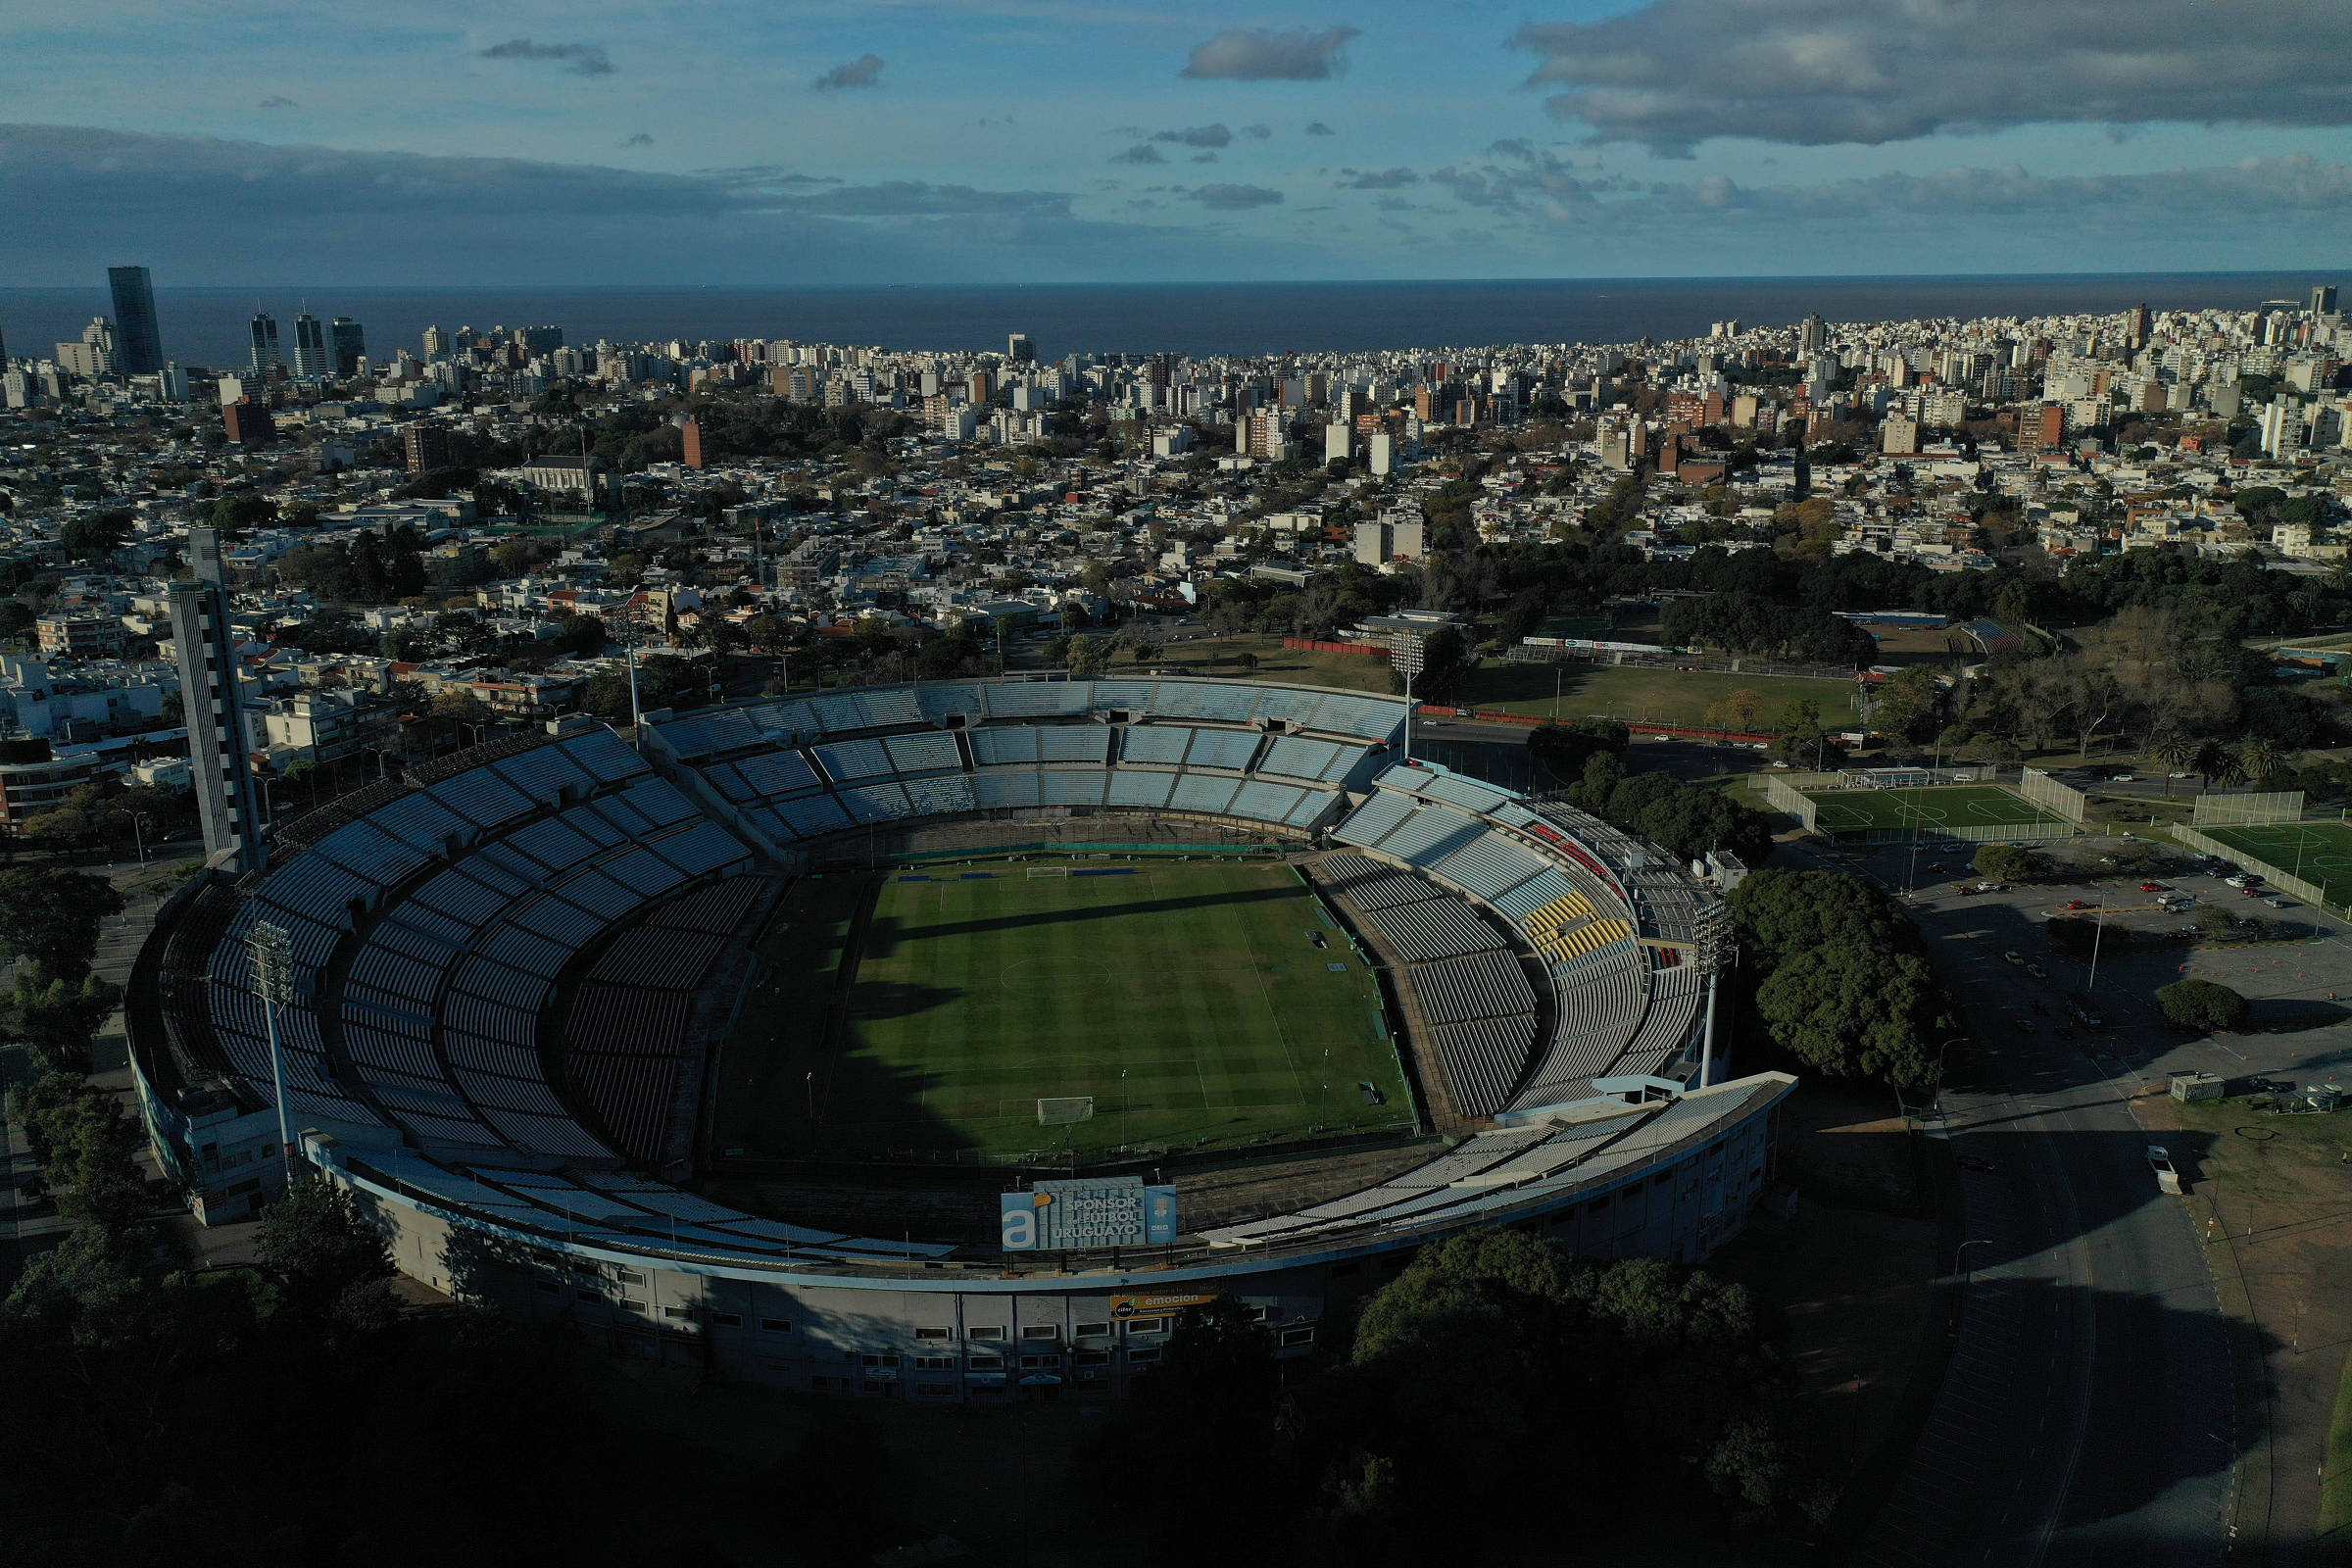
(1060, 1111)
(1037, 871)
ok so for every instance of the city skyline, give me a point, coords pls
(926, 144)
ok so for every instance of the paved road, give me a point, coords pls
(2087, 1415)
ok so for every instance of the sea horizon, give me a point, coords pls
(205, 326)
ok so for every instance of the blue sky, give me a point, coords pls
(769, 141)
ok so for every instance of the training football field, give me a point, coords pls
(2318, 852)
(1926, 809)
(1188, 999)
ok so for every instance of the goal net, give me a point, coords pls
(1060, 1110)
(1037, 871)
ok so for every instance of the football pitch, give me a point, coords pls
(1926, 809)
(2318, 852)
(1188, 1001)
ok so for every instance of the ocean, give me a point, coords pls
(207, 326)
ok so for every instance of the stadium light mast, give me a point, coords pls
(1404, 657)
(1715, 952)
(273, 983)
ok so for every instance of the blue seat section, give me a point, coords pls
(1135, 695)
(704, 847)
(776, 773)
(603, 754)
(599, 894)
(659, 801)
(1375, 819)
(811, 815)
(1073, 743)
(1432, 834)
(845, 760)
(554, 843)
(1268, 803)
(1490, 866)
(1294, 706)
(1164, 743)
(1039, 699)
(939, 701)
(1373, 719)
(888, 705)
(702, 734)
(1294, 757)
(545, 773)
(1200, 792)
(1466, 792)
(1312, 803)
(1072, 788)
(420, 822)
(482, 797)
(1191, 700)
(1535, 893)
(876, 802)
(367, 851)
(837, 714)
(1350, 759)
(922, 754)
(999, 788)
(941, 795)
(1005, 747)
(1134, 787)
(1222, 748)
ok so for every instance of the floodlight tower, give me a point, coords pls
(1716, 952)
(1404, 657)
(273, 983)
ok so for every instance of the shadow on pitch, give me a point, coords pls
(885, 932)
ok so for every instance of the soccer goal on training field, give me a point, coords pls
(1037, 871)
(1060, 1110)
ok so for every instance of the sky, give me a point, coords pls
(846, 142)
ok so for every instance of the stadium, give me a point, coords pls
(1066, 947)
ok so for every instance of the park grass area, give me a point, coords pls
(1645, 695)
(2319, 852)
(1188, 999)
(1941, 805)
(1223, 657)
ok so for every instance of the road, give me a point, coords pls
(2087, 1413)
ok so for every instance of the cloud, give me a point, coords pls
(1261, 55)
(1378, 179)
(1675, 73)
(580, 58)
(1257, 132)
(863, 72)
(1197, 136)
(1202, 158)
(249, 214)
(641, 139)
(1142, 152)
(279, 101)
(1234, 198)
(1316, 127)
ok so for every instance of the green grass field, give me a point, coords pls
(1647, 695)
(2317, 852)
(1927, 808)
(1186, 998)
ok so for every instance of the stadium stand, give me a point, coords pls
(496, 960)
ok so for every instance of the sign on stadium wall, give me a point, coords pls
(1123, 1308)
(1071, 1215)
(1602, 646)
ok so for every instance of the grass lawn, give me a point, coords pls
(1939, 805)
(1642, 695)
(1187, 995)
(1220, 656)
(2317, 852)
(761, 1067)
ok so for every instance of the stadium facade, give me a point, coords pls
(1549, 971)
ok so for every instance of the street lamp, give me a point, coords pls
(139, 833)
(1406, 657)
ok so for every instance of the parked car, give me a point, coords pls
(2075, 904)
(2024, 1026)
(2154, 886)
(2160, 1161)
(1951, 848)
(2013, 956)
(2038, 971)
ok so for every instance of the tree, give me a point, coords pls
(1906, 703)
(52, 916)
(768, 633)
(2008, 862)
(59, 1022)
(1741, 710)
(2201, 1006)
(459, 706)
(328, 1257)
(2176, 750)
(1780, 913)
(1851, 1010)
(1089, 657)
(2259, 756)
(1564, 750)
(1799, 737)
(585, 636)
(95, 535)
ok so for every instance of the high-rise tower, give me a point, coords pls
(139, 343)
(207, 644)
(263, 332)
(311, 361)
